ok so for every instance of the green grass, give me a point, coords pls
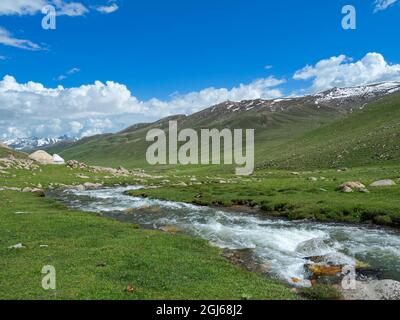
(4, 152)
(163, 266)
(158, 265)
(367, 137)
(280, 193)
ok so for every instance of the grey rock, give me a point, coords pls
(383, 183)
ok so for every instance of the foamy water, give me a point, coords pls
(282, 244)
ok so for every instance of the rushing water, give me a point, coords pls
(282, 244)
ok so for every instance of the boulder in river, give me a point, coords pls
(171, 229)
(313, 247)
(92, 186)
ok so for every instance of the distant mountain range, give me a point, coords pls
(31, 143)
(337, 128)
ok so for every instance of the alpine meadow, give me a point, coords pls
(197, 151)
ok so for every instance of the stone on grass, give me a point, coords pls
(92, 186)
(383, 183)
(171, 229)
(350, 186)
(17, 246)
(345, 189)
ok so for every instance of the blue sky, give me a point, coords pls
(178, 56)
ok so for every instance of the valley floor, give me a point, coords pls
(98, 258)
(313, 195)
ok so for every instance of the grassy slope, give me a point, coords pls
(302, 138)
(4, 152)
(129, 148)
(366, 137)
(157, 264)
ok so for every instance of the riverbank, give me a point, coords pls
(300, 253)
(98, 258)
(103, 259)
(310, 195)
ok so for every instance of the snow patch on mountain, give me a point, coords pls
(368, 91)
(25, 144)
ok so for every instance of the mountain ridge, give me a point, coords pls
(278, 123)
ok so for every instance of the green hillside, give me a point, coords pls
(5, 151)
(366, 137)
(298, 136)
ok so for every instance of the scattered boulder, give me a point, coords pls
(171, 229)
(11, 162)
(92, 186)
(181, 184)
(319, 270)
(11, 189)
(349, 187)
(17, 246)
(81, 176)
(42, 157)
(345, 189)
(383, 183)
(73, 164)
(38, 191)
(313, 179)
(129, 211)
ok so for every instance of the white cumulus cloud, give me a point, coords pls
(31, 7)
(7, 39)
(107, 9)
(95, 108)
(341, 71)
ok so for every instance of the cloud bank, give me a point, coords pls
(341, 71)
(32, 109)
(31, 7)
(7, 39)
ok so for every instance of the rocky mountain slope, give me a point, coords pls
(31, 143)
(279, 123)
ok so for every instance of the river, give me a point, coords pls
(283, 244)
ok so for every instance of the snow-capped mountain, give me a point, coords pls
(340, 99)
(368, 91)
(26, 144)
